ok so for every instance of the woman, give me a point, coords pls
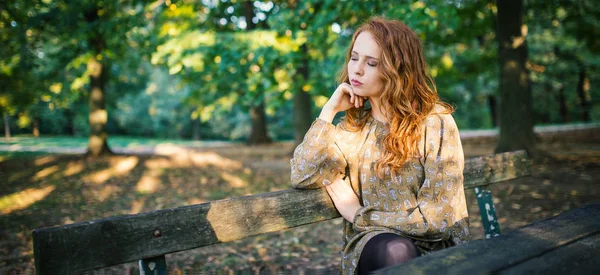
(394, 171)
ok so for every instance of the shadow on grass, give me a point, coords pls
(42, 190)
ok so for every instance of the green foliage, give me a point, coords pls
(174, 63)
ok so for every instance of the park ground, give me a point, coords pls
(48, 189)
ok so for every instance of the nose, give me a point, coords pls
(358, 68)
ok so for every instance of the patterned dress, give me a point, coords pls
(424, 201)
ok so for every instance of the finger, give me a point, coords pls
(348, 89)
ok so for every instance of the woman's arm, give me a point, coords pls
(318, 160)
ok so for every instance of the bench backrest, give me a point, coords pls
(120, 239)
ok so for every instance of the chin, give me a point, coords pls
(359, 91)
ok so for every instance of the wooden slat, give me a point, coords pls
(481, 171)
(515, 248)
(580, 257)
(89, 245)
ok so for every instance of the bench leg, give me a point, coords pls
(488, 212)
(153, 266)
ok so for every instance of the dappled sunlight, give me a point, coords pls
(106, 192)
(45, 172)
(203, 180)
(44, 160)
(511, 65)
(73, 168)
(149, 182)
(137, 206)
(234, 181)
(518, 41)
(195, 201)
(123, 166)
(118, 167)
(23, 199)
(99, 177)
(158, 163)
(167, 149)
(241, 218)
(181, 158)
(202, 159)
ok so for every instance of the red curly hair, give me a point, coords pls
(409, 93)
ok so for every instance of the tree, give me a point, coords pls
(258, 131)
(18, 61)
(516, 116)
(90, 34)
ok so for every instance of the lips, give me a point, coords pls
(355, 82)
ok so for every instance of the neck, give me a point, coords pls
(376, 110)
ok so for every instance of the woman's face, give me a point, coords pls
(363, 67)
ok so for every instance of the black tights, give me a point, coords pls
(384, 250)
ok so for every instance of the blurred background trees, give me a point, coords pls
(259, 71)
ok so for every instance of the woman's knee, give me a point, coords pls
(401, 250)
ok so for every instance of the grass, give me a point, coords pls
(117, 141)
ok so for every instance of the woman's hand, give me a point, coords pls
(342, 99)
(344, 199)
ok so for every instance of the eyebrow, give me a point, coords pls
(368, 56)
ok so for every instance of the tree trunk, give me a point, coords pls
(562, 104)
(302, 101)
(96, 67)
(258, 132)
(583, 92)
(196, 129)
(516, 115)
(70, 127)
(97, 144)
(493, 112)
(6, 128)
(36, 127)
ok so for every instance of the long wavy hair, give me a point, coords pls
(409, 93)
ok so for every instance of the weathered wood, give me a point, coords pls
(486, 170)
(89, 245)
(579, 257)
(498, 254)
(110, 241)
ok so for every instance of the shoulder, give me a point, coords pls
(440, 123)
(354, 125)
(439, 117)
(440, 130)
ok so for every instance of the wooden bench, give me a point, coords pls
(147, 237)
(565, 244)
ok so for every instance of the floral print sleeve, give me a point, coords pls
(439, 212)
(318, 160)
